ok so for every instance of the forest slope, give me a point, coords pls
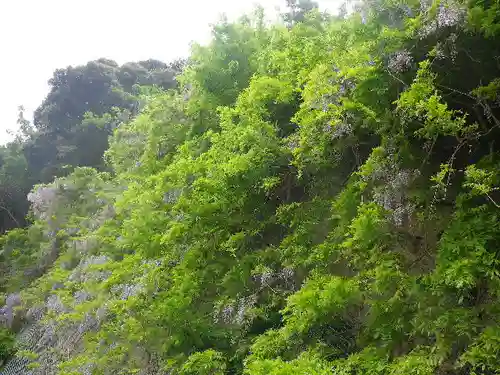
(319, 196)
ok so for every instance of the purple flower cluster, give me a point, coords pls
(449, 14)
(400, 62)
(42, 201)
(339, 130)
(390, 191)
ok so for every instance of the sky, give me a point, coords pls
(37, 37)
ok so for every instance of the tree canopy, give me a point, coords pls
(72, 125)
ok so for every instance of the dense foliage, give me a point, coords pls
(319, 196)
(7, 340)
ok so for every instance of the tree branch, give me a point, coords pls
(10, 215)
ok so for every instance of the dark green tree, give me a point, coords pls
(297, 10)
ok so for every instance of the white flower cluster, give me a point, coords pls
(450, 14)
(339, 130)
(225, 315)
(391, 191)
(125, 291)
(82, 274)
(54, 303)
(171, 196)
(81, 296)
(266, 278)
(283, 278)
(235, 312)
(287, 273)
(448, 48)
(293, 145)
(244, 304)
(35, 313)
(7, 312)
(87, 369)
(286, 276)
(400, 62)
(425, 5)
(42, 201)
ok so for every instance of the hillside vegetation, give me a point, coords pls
(316, 196)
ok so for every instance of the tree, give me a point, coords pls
(297, 10)
(98, 87)
(14, 185)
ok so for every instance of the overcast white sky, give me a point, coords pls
(37, 37)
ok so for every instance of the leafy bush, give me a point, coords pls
(7, 344)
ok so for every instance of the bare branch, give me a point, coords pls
(493, 201)
(10, 215)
